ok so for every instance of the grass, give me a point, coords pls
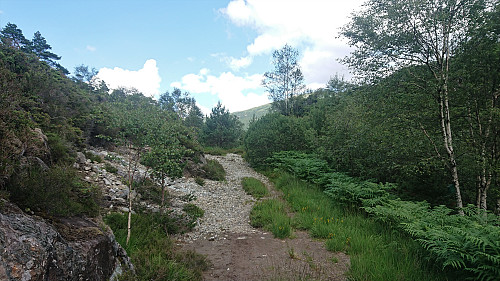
(254, 187)
(214, 170)
(153, 253)
(199, 181)
(223, 151)
(271, 215)
(376, 251)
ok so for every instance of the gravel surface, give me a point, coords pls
(226, 205)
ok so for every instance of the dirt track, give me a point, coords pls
(255, 254)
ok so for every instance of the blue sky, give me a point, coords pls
(216, 50)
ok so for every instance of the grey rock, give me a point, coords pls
(80, 158)
(70, 249)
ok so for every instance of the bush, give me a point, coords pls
(273, 133)
(469, 242)
(193, 212)
(93, 157)
(199, 181)
(254, 187)
(214, 170)
(56, 192)
(59, 149)
(110, 168)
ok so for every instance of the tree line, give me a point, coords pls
(46, 116)
(421, 112)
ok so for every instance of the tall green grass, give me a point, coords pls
(271, 215)
(376, 251)
(254, 187)
(153, 253)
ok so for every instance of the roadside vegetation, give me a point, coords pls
(153, 253)
(271, 214)
(254, 187)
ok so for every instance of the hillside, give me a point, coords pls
(246, 116)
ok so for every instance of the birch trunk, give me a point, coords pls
(448, 144)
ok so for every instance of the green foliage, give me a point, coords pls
(341, 187)
(271, 215)
(375, 251)
(57, 191)
(274, 133)
(469, 242)
(215, 150)
(110, 168)
(199, 181)
(93, 157)
(214, 170)
(153, 253)
(221, 128)
(59, 149)
(193, 212)
(286, 81)
(254, 187)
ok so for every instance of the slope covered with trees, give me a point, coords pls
(422, 114)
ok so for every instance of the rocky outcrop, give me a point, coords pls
(63, 249)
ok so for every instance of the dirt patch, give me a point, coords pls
(259, 256)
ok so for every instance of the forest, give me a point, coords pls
(412, 141)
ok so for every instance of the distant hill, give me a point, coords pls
(246, 116)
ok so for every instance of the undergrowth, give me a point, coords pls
(376, 252)
(153, 253)
(464, 247)
(58, 191)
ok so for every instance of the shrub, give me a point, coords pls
(273, 133)
(469, 243)
(254, 187)
(199, 181)
(215, 150)
(214, 170)
(57, 192)
(110, 168)
(59, 149)
(93, 157)
(193, 212)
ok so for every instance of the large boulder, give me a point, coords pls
(65, 249)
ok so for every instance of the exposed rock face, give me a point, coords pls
(69, 249)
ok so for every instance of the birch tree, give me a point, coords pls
(393, 34)
(286, 81)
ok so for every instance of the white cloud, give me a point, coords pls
(237, 64)
(236, 93)
(91, 48)
(146, 80)
(311, 25)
